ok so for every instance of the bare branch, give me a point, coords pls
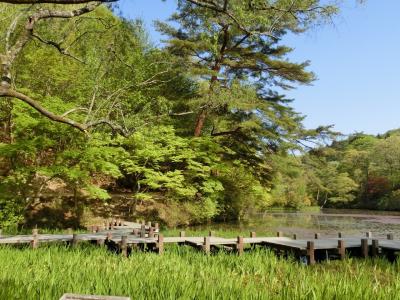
(58, 47)
(73, 110)
(185, 113)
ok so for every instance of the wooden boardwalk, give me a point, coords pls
(136, 236)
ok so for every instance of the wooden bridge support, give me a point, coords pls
(124, 246)
(375, 248)
(35, 239)
(364, 248)
(341, 249)
(239, 245)
(310, 253)
(207, 245)
(160, 244)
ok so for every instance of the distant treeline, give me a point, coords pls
(361, 171)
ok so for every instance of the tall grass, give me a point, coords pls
(184, 273)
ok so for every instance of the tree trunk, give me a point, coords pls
(200, 123)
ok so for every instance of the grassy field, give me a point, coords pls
(183, 273)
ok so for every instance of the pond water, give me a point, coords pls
(327, 222)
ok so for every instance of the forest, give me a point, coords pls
(95, 118)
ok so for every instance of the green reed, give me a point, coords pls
(184, 273)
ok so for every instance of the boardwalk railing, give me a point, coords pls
(139, 236)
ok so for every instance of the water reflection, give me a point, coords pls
(328, 223)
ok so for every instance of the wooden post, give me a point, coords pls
(364, 248)
(207, 245)
(143, 231)
(74, 240)
(143, 222)
(317, 236)
(124, 246)
(239, 245)
(375, 248)
(156, 226)
(182, 234)
(151, 232)
(310, 253)
(211, 233)
(35, 239)
(160, 244)
(390, 236)
(295, 236)
(149, 224)
(341, 249)
(279, 234)
(253, 234)
(368, 234)
(339, 235)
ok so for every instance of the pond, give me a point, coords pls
(327, 222)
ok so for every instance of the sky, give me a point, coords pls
(356, 60)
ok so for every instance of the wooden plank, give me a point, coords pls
(91, 297)
(390, 245)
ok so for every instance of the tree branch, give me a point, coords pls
(230, 132)
(61, 119)
(38, 107)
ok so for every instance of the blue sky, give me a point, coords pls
(356, 60)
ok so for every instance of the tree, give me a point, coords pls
(18, 37)
(228, 40)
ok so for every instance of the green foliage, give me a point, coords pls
(361, 171)
(48, 272)
(110, 76)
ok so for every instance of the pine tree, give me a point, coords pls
(227, 40)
